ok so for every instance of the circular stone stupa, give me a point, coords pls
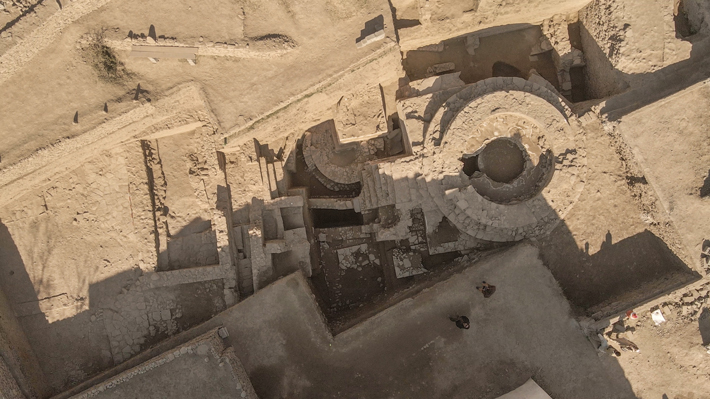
(504, 159)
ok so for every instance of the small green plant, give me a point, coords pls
(103, 58)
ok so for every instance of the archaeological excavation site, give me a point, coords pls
(355, 199)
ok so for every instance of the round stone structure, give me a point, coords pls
(336, 165)
(501, 160)
(504, 159)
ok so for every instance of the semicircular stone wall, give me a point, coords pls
(545, 131)
(335, 165)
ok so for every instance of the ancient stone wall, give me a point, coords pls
(601, 39)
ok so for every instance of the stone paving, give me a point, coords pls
(355, 257)
(141, 312)
(407, 263)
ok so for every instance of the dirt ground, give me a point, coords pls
(672, 360)
(91, 211)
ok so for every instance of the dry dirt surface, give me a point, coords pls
(144, 200)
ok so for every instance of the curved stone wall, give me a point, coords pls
(336, 165)
(554, 172)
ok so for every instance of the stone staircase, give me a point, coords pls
(377, 187)
(387, 184)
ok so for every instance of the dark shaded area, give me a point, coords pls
(325, 218)
(138, 93)
(683, 28)
(190, 303)
(704, 325)
(470, 164)
(507, 51)
(445, 232)
(406, 23)
(365, 283)
(371, 26)
(341, 287)
(705, 188)
(634, 180)
(575, 38)
(630, 271)
(151, 33)
(74, 340)
(579, 87)
(15, 350)
(500, 68)
(600, 77)
(501, 160)
(267, 169)
(82, 340)
(284, 263)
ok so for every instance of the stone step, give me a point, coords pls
(365, 190)
(369, 190)
(386, 179)
(378, 184)
(374, 193)
(385, 197)
(391, 199)
(401, 189)
(414, 193)
(422, 188)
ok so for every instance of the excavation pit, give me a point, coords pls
(501, 160)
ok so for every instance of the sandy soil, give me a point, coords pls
(57, 83)
(672, 360)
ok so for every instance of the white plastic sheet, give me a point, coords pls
(657, 317)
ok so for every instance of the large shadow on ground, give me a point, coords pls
(15, 350)
(605, 81)
(619, 275)
(73, 347)
(53, 344)
(704, 325)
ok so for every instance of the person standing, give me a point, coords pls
(462, 322)
(486, 289)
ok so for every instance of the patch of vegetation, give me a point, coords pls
(103, 58)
